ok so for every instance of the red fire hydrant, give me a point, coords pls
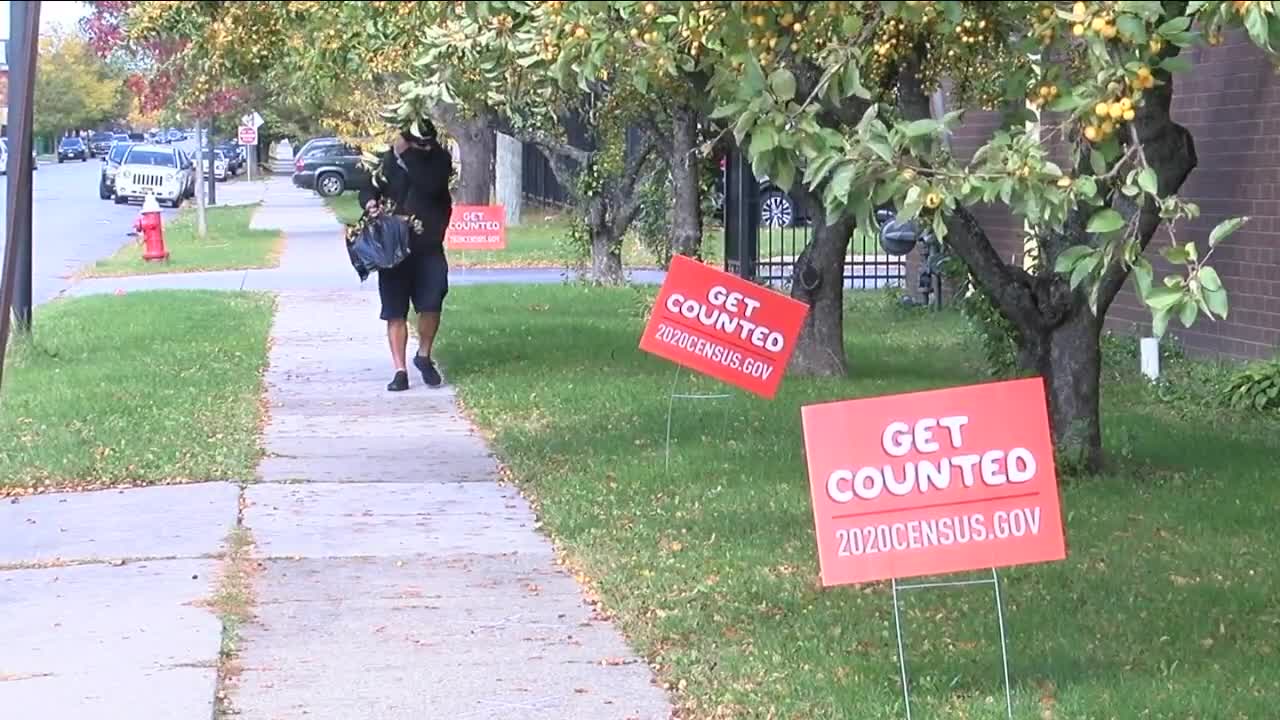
(151, 226)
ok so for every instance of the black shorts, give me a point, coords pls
(422, 278)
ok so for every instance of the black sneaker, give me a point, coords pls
(430, 375)
(400, 382)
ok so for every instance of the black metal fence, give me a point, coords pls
(766, 230)
(539, 183)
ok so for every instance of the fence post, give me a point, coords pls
(741, 216)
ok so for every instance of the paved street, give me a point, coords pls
(72, 226)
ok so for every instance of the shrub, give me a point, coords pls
(1255, 387)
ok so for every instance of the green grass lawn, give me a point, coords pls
(1166, 607)
(140, 388)
(230, 245)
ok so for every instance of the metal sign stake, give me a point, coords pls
(1004, 646)
(671, 405)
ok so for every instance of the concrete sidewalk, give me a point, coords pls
(398, 579)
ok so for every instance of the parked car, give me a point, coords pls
(176, 135)
(73, 148)
(110, 166)
(100, 144)
(778, 209)
(314, 143)
(220, 170)
(235, 155)
(331, 169)
(152, 169)
(4, 157)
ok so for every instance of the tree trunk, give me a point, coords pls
(606, 257)
(818, 280)
(477, 146)
(686, 226)
(1070, 363)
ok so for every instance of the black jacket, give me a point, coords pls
(419, 188)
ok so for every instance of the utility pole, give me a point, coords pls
(202, 228)
(213, 189)
(15, 287)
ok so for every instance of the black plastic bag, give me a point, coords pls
(379, 243)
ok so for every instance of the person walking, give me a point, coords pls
(412, 179)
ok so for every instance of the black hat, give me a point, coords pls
(426, 130)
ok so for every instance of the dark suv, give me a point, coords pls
(110, 165)
(331, 170)
(72, 148)
(100, 144)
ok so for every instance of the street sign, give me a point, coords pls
(248, 135)
(253, 120)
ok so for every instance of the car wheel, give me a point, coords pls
(776, 210)
(121, 200)
(330, 185)
(59, 159)
(103, 192)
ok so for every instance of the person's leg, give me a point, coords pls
(428, 324)
(394, 290)
(432, 285)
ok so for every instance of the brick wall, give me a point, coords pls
(1231, 104)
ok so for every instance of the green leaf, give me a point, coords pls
(1098, 162)
(1256, 23)
(1066, 103)
(1187, 313)
(783, 83)
(1066, 262)
(745, 122)
(723, 111)
(1209, 279)
(1192, 253)
(784, 173)
(1105, 221)
(1087, 187)
(852, 24)
(1164, 298)
(1159, 322)
(1175, 255)
(1142, 276)
(1176, 64)
(1147, 9)
(1083, 270)
(842, 181)
(1224, 229)
(1132, 27)
(920, 128)
(754, 80)
(1175, 25)
(852, 81)
(763, 139)
(881, 148)
(1147, 181)
(1217, 302)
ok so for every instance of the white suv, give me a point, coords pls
(161, 170)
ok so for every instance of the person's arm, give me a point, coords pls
(375, 192)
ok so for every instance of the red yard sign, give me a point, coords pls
(933, 482)
(723, 326)
(477, 227)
